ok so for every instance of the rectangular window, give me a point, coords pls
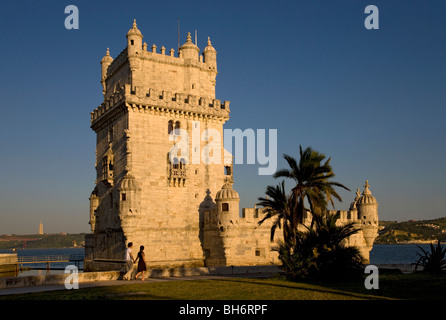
(110, 134)
(225, 207)
(105, 168)
(123, 197)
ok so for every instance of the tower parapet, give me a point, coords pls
(160, 101)
(189, 72)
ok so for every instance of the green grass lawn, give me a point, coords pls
(401, 286)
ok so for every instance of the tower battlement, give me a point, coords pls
(191, 72)
(161, 102)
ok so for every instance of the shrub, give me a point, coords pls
(433, 261)
(320, 252)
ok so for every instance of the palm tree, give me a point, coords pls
(312, 178)
(276, 206)
(320, 251)
(328, 232)
(313, 183)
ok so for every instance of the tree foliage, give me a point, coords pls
(319, 249)
(321, 252)
(433, 261)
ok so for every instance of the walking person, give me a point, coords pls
(130, 261)
(141, 263)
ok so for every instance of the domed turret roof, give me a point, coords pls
(209, 47)
(107, 58)
(134, 30)
(227, 192)
(366, 197)
(129, 183)
(189, 44)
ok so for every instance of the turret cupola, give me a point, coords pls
(368, 215)
(227, 192)
(105, 63)
(227, 200)
(189, 50)
(367, 197)
(210, 56)
(134, 39)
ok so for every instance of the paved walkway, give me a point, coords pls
(104, 283)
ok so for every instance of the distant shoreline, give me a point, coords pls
(42, 241)
(401, 243)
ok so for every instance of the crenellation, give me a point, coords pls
(155, 100)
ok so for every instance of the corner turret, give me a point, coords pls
(227, 200)
(134, 40)
(129, 199)
(105, 63)
(210, 56)
(368, 215)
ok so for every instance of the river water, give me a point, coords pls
(397, 253)
(40, 268)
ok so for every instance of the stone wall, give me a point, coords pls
(8, 263)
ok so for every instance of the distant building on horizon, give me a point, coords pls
(40, 228)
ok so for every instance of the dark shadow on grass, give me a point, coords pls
(322, 289)
(398, 286)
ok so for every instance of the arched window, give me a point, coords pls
(175, 163)
(170, 126)
(177, 125)
(182, 163)
(177, 171)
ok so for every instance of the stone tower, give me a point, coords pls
(163, 177)
(144, 193)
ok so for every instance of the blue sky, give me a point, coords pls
(373, 100)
